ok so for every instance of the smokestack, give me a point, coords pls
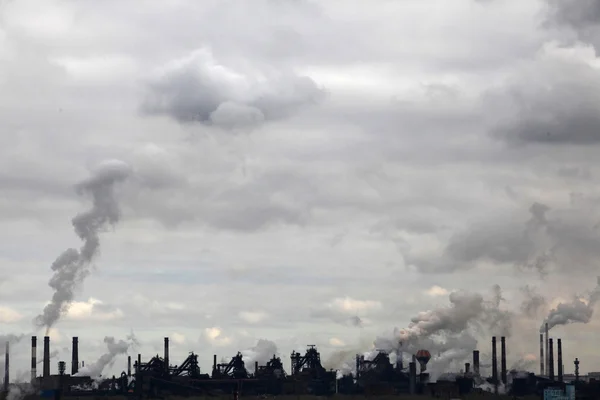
(255, 368)
(6, 367)
(75, 356)
(494, 362)
(412, 381)
(399, 357)
(547, 353)
(357, 367)
(542, 354)
(559, 356)
(467, 368)
(476, 362)
(215, 362)
(128, 365)
(33, 358)
(503, 359)
(46, 369)
(167, 354)
(550, 360)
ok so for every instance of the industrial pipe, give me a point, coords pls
(476, 362)
(550, 360)
(33, 358)
(75, 356)
(167, 354)
(6, 368)
(494, 362)
(542, 354)
(46, 369)
(128, 365)
(560, 361)
(215, 362)
(547, 352)
(503, 360)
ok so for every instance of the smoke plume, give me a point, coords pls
(72, 266)
(106, 360)
(577, 310)
(466, 310)
(450, 333)
(261, 353)
(532, 302)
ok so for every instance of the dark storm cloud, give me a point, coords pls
(575, 13)
(555, 101)
(561, 240)
(200, 89)
(580, 16)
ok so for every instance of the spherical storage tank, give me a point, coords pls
(423, 357)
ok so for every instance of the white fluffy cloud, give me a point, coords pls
(93, 310)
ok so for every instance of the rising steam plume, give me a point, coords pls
(72, 266)
(577, 310)
(114, 348)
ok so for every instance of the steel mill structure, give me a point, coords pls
(158, 377)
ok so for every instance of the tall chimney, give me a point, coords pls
(559, 357)
(550, 360)
(467, 368)
(167, 354)
(46, 368)
(547, 352)
(412, 377)
(503, 359)
(6, 368)
(476, 362)
(128, 365)
(542, 354)
(33, 358)
(75, 356)
(494, 362)
(214, 362)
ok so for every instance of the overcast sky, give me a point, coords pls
(299, 166)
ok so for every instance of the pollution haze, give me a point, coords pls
(299, 172)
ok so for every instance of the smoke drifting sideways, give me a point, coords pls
(577, 311)
(450, 333)
(114, 349)
(73, 266)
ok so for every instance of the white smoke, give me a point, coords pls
(114, 348)
(72, 266)
(532, 302)
(261, 353)
(577, 310)
(450, 333)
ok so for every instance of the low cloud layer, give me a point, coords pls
(198, 88)
(308, 153)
